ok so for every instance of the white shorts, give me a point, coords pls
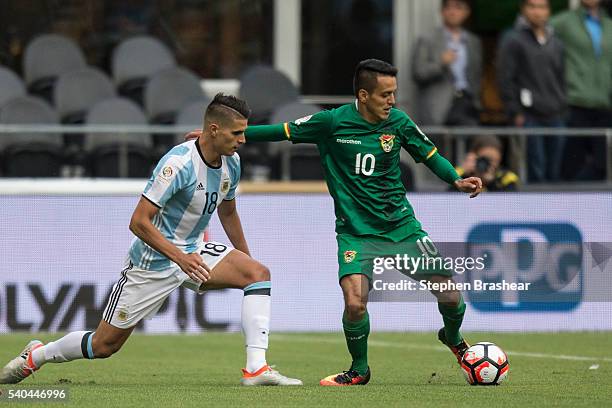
(140, 293)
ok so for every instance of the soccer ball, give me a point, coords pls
(484, 364)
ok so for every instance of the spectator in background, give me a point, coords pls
(447, 68)
(530, 74)
(484, 161)
(587, 36)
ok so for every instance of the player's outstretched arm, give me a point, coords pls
(258, 133)
(228, 215)
(445, 171)
(143, 228)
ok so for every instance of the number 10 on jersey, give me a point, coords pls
(365, 165)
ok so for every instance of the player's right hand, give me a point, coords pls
(472, 185)
(193, 265)
(194, 134)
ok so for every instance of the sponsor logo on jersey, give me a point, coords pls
(348, 141)
(225, 186)
(349, 256)
(167, 172)
(386, 142)
(302, 120)
(200, 186)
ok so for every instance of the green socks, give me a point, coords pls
(453, 317)
(356, 334)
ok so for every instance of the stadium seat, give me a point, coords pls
(266, 89)
(74, 94)
(168, 91)
(191, 115)
(30, 154)
(300, 161)
(306, 164)
(165, 94)
(47, 57)
(104, 149)
(292, 111)
(11, 86)
(135, 60)
(77, 91)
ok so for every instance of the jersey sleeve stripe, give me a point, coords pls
(433, 151)
(151, 201)
(287, 131)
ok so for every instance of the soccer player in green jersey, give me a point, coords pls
(359, 145)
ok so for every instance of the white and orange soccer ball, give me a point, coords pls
(485, 364)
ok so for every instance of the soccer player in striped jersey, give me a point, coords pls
(360, 146)
(189, 183)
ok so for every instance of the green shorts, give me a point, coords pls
(366, 254)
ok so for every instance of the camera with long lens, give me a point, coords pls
(482, 164)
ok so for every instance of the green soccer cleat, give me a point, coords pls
(350, 377)
(458, 349)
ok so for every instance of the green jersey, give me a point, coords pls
(361, 163)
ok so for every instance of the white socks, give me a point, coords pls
(73, 346)
(256, 327)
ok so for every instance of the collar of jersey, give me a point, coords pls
(204, 160)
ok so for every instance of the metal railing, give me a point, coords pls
(461, 134)
(458, 134)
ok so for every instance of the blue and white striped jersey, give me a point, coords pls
(187, 190)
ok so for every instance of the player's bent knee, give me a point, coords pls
(355, 310)
(257, 273)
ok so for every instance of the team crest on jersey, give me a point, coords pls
(349, 256)
(225, 186)
(386, 142)
(122, 315)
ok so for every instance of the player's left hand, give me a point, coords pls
(194, 134)
(471, 185)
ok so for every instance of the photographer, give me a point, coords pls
(484, 160)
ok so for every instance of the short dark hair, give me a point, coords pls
(367, 71)
(226, 107)
(466, 2)
(482, 141)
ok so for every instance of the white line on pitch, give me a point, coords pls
(378, 343)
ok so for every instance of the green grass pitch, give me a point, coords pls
(409, 369)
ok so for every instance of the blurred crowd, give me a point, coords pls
(552, 72)
(138, 62)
